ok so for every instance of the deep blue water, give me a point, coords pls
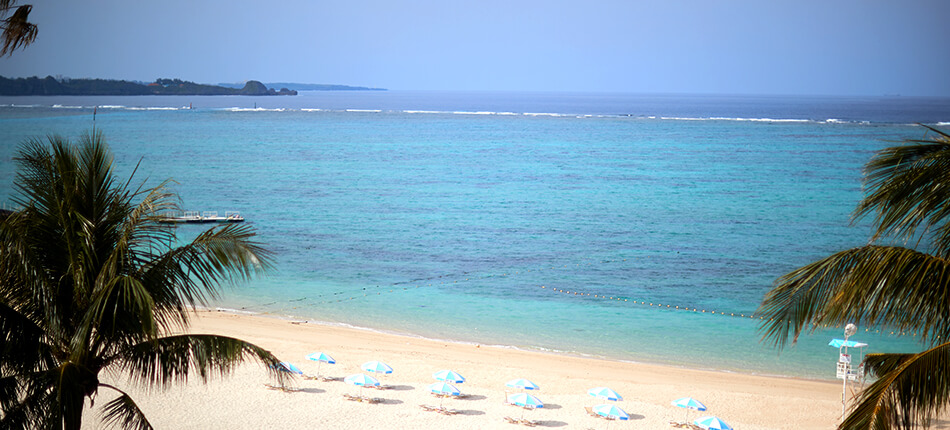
(461, 215)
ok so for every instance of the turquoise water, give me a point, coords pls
(460, 215)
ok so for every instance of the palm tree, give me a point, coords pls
(907, 188)
(91, 281)
(15, 30)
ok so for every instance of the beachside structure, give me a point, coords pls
(203, 217)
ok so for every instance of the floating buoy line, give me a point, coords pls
(353, 294)
(402, 286)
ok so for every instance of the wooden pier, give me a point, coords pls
(203, 217)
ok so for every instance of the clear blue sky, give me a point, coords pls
(826, 47)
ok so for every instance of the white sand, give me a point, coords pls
(241, 401)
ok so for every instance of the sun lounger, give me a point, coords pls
(320, 378)
(429, 408)
(590, 411)
(380, 387)
(445, 411)
(371, 400)
(284, 388)
(521, 421)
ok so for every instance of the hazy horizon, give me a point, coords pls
(741, 47)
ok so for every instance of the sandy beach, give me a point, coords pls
(241, 401)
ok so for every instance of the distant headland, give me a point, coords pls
(50, 86)
(309, 87)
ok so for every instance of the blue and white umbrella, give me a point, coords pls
(610, 412)
(604, 393)
(376, 367)
(522, 383)
(361, 381)
(524, 400)
(321, 357)
(712, 423)
(448, 376)
(284, 366)
(443, 389)
(689, 403)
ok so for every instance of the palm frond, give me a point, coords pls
(910, 390)
(172, 359)
(191, 274)
(17, 31)
(33, 407)
(22, 344)
(119, 314)
(123, 412)
(871, 285)
(906, 188)
(88, 280)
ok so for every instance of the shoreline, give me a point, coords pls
(557, 352)
(241, 400)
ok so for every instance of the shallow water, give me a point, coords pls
(465, 215)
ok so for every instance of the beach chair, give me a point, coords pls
(320, 378)
(445, 411)
(511, 420)
(380, 387)
(352, 397)
(590, 411)
(284, 388)
(428, 408)
(529, 423)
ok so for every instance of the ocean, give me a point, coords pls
(633, 227)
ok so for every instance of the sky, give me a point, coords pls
(781, 47)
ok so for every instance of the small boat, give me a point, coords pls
(204, 217)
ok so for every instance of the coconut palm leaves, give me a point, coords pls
(91, 281)
(15, 30)
(907, 189)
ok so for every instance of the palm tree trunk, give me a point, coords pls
(72, 411)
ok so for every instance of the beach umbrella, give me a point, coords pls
(689, 403)
(604, 393)
(522, 383)
(443, 389)
(448, 376)
(524, 400)
(712, 423)
(376, 367)
(284, 366)
(361, 381)
(610, 412)
(321, 357)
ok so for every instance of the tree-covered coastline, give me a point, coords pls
(50, 86)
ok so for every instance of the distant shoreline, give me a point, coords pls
(50, 86)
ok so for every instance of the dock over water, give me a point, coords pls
(202, 217)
